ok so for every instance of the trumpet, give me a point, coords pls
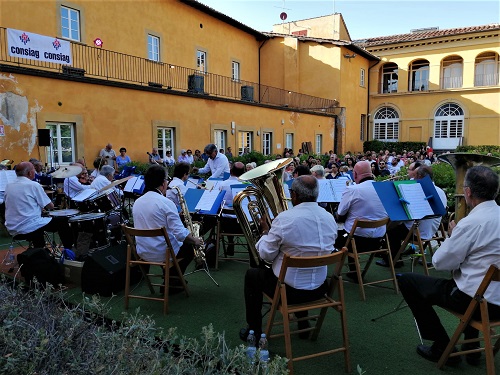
(193, 227)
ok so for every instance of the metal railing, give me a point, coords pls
(100, 63)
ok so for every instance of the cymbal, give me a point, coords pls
(69, 171)
(115, 183)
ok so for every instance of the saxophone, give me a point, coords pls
(193, 227)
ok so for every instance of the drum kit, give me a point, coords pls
(96, 220)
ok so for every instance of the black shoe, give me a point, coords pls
(472, 359)
(429, 264)
(353, 276)
(432, 354)
(384, 263)
(304, 324)
(230, 249)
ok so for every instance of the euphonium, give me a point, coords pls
(266, 194)
(193, 227)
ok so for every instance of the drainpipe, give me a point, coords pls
(368, 101)
(260, 47)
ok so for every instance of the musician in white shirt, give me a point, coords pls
(473, 245)
(304, 230)
(181, 174)
(72, 185)
(105, 177)
(217, 163)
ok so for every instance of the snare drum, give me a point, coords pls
(64, 213)
(107, 200)
(89, 233)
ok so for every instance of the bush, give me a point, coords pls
(41, 334)
(254, 156)
(483, 149)
(399, 147)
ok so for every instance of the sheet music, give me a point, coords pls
(418, 206)
(192, 183)
(338, 187)
(212, 184)
(326, 192)
(84, 194)
(129, 186)
(138, 185)
(207, 200)
(6, 176)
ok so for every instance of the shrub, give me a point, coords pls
(399, 147)
(254, 156)
(41, 334)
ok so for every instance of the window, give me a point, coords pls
(389, 79)
(201, 61)
(451, 74)
(63, 143)
(235, 71)
(386, 125)
(70, 23)
(448, 126)
(487, 69)
(319, 143)
(362, 77)
(244, 142)
(419, 76)
(289, 140)
(153, 48)
(267, 143)
(220, 139)
(165, 141)
(362, 128)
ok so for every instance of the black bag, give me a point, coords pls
(40, 263)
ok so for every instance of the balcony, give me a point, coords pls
(97, 63)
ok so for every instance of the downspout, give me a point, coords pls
(368, 101)
(260, 47)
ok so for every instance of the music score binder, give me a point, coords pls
(395, 207)
(135, 185)
(6, 176)
(331, 190)
(194, 196)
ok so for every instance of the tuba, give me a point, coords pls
(265, 197)
(461, 162)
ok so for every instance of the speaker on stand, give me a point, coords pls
(44, 137)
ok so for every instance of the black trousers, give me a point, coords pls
(59, 225)
(396, 236)
(422, 292)
(258, 280)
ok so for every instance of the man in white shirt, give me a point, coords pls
(304, 230)
(72, 185)
(181, 174)
(154, 210)
(427, 227)
(473, 245)
(360, 201)
(24, 201)
(104, 178)
(169, 159)
(154, 157)
(217, 163)
(108, 155)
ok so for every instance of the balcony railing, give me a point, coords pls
(103, 64)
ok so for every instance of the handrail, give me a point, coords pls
(96, 62)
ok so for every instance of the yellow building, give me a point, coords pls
(438, 86)
(144, 74)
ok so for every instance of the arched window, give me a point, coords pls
(448, 127)
(418, 79)
(389, 78)
(451, 73)
(487, 69)
(386, 125)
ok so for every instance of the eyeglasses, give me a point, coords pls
(382, 163)
(189, 152)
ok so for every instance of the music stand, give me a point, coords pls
(395, 208)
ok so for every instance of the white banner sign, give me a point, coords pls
(32, 46)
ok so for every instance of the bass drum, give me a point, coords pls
(89, 233)
(107, 200)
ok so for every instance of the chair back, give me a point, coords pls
(131, 233)
(493, 274)
(369, 223)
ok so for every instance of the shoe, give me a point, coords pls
(384, 263)
(353, 276)
(429, 264)
(304, 324)
(230, 249)
(472, 359)
(432, 354)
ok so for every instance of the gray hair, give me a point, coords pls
(107, 170)
(319, 170)
(483, 182)
(422, 171)
(210, 148)
(306, 188)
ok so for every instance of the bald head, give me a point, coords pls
(237, 169)
(23, 169)
(362, 170)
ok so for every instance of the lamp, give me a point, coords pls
(347, 56)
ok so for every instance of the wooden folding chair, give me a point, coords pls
(134, 260)
(485, 325)
(280, 304)
(355, 254)
(222, 236)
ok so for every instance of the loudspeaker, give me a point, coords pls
(43, 137)
(247, 93)
(103, 272)
(196, 84)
